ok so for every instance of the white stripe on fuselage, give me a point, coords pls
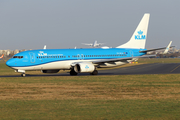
(64, 65)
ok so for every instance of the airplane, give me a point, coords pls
(1, 56)
(95, 44)
(44, 47)
(83, 60)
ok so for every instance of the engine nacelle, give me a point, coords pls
(84, 67)
(49, 71)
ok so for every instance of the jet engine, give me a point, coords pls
(84, 67)
(49, 71)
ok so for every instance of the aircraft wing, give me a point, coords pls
(130, 58)
(154, 49)
(120, 59)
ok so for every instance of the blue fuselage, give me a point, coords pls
(45, 56)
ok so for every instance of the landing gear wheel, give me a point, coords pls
(95, 72)
(72, 72)
(23, 75)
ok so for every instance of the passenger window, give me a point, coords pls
(18, 57)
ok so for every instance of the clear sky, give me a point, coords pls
(31, 24)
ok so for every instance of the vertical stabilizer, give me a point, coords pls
(44, 47)
(138, 39)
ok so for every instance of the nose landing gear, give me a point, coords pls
(23, 75)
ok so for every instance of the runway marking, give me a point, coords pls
(175, 68)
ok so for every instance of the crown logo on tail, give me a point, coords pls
(140, 36)
(140, 32)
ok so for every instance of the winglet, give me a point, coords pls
(167, 48)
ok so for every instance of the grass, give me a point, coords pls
(90, 97)
(101, 87)
(87, 97)
(94, 109)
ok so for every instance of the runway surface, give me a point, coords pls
(155, 68)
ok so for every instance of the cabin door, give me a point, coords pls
(131, 53)
(32, 57)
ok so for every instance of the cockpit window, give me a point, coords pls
(18, 57)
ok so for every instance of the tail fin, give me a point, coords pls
(138, 39)
(44, 47)
(2, 56)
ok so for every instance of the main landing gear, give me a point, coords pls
(95, 72)
(72, 72)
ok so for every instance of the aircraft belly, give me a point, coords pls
(56, 65)
(65, 65)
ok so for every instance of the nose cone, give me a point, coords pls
(10, 62)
